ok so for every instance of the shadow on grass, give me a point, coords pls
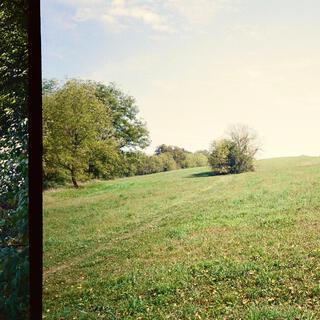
(202, 174)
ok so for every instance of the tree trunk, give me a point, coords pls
(74, 181)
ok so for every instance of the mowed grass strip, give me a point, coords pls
(187, 245)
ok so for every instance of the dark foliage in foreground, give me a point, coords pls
(14, 255)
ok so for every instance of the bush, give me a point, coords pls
(149, 164)
(167, 162)
(195, 160)
(236, 153)
(220, 157)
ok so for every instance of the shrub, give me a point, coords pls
(167, 162)
(236, 153)
(220, 157)
(195, 160)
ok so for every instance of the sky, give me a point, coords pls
(195, 67)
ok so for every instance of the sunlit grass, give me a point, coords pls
(187, 245)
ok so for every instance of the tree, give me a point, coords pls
(112, 155)
(76, 126)
(236, 153)
(220, 156)
(13, 62)
(245, 148)
(14, 249)
(163, 148)
(178, 154)
(129, 130)
(49, 86)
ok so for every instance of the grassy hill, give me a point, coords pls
(187, 245)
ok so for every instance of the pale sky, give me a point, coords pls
(196, 67)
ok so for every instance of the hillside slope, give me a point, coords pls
(187, 245)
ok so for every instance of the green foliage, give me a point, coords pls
(176, 153)
(155, 164)
(220, 157)
(245, 148)
(167, 162)
(196, 159)
(236, 153)
(106, 161)
(13, 62)
(138, 163)
(14, 254)
(14, 264)
(90, 131)
(76, 128)
(173, 157)
(73, 147)
(204, 152)
(169, 158)
(129, 131)
(49, 86)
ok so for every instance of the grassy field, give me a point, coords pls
(187, 245)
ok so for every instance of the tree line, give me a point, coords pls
(93, 131)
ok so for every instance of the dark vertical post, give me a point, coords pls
(35, 160)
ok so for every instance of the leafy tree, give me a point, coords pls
(220, 156)
(14, 252)
(116, 156)
(13, 62)
(163, 148)
(76, 127)
(178, 154)
(236, 153)
(129, 130)
(245, 147)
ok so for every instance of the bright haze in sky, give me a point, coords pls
(195, 67)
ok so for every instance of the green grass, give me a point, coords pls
(187, 245)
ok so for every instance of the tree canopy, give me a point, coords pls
(129, 130)
(90, 130)
(178, 154)
(13, 62)
(76, 126)
(14, 253)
